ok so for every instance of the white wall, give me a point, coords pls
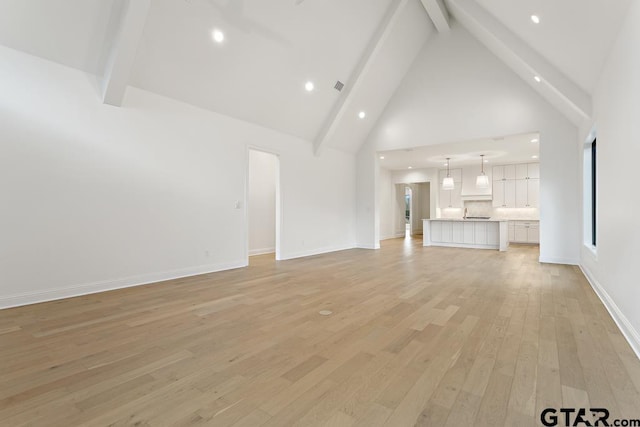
(367, 198)
(457, 90)
(387, 200)
(262, 202)
(613, 270)
(97, 197)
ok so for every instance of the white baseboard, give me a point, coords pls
(368, 246)
(628, 331)
(552, 260)
(110, 285)
(318, 251)
(262, 251)
(393, 236)
(463, 245)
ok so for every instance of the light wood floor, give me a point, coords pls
(427, 336)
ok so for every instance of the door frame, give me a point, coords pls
(279, 204)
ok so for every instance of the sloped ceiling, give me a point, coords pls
(574, 35)
(387, 69)
(70, 32)
(273, 47)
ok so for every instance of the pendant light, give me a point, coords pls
(447, 183)
(482, 181)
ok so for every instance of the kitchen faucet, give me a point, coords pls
(465, 214)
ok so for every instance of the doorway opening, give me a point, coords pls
(407, 211)
(417, 206)
(263, 205)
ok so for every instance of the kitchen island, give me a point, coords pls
(466, 233)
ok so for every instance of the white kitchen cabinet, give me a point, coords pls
(516, 186)
(527, 185)
(520, 234)
(493, 233)
(521, 171)
(436, 231)
(498, 194)
(522, 198)
(451, 198)
(527, 193)
(533, 192)
(478, 234)
(503, 172)
(456, 197)
(527, 171)
(504, 194)
(468, 237)
(446, 232)
(457, 231)
(445, 198)
(524, 231)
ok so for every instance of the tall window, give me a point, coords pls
(593, 192)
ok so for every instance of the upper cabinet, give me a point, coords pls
(504, 193)
(501, 173)
(528, 171)
(516, 186)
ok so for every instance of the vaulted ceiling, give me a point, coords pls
(273, 47)
(574, 35)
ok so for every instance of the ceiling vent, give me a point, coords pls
(338, 86)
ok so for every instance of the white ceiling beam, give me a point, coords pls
(364, 65)
(123, 51)
(438, 13)
(558, 89)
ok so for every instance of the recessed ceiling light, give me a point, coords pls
(309, 86)
(410, 167)
(486, 161)
(362, 114)
(535, 19)
(217, 35)
(537, 78)
(534, 140)
(381, 157)
(534, 157)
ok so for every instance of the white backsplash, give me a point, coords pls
(478, 208)
(451, 213)
(516, 213)
(485, 208)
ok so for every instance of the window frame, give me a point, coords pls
(594, 196)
